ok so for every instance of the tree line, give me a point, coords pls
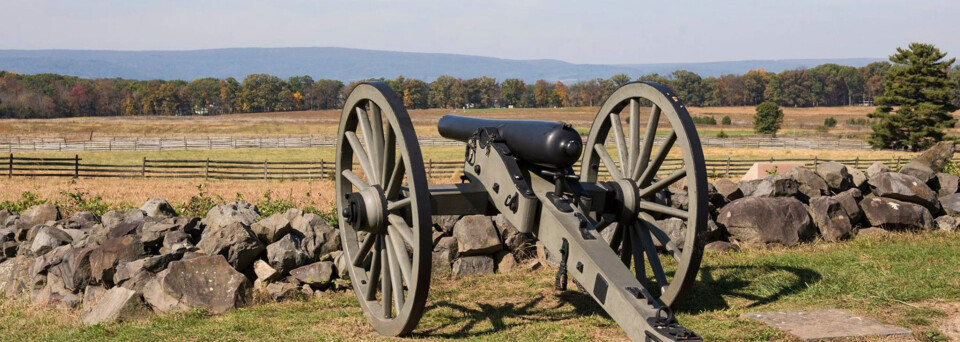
(51, 95)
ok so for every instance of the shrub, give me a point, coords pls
(857, 121)
(269, 206)
(27, 200)
(768, 118)
(80, 201)
(704, 120)
(830, 122)
(726, 120)
(722, 135)
(199, 205)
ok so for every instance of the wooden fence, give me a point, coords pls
(14, 166)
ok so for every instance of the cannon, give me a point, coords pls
(602, 223)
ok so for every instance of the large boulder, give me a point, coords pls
(777, 186)
(728, 189)
(811, 184)
(83, 220)
(512, 238)
(905, 188)
(473, 265)
(272, 228)
(748, 187)
(37, 215)
(123, 222)
(158, 208)
(831, 218)
(235, 242)
(888, 213)
(476, 235)
(176, 242)
(445, 223)
(286, 254)
(858, 178)
(781, 220)
(947, 184)
(117, 304)
(947, 223)
(319, 238)
(223, 215)
(850, 200)
(153, 232)
(48, 238)
(951, 204)
(105, 259)
(207, 282)
(14, 276)
(876, 169)
(835, 174)
(925, 166)
(74, 270)
(317, 275)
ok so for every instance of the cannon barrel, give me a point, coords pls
(544, 143)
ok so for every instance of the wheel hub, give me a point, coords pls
(366, 210)
(627, 197)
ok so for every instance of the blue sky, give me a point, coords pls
(574, 31)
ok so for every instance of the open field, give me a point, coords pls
(799, 121)
(908, 279)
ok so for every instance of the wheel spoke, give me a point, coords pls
(617, 238)
(399, 204)
(634, 136)
(608, 161)
(657, 160)
(395, 271)
(663, 183)
(625, 246)
(376, 127)
(652, 255)
(617, 128)
(644, 158)
(401, 253)
(362, 157)
(661, 236)
(396, 179)
(386, 288)
(389, 154)
(640, 268)
(355, 179)
(402, 228)
(363, 250)
(373, 281)
(368, 137)
(662, 209)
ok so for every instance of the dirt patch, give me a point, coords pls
(950, 322)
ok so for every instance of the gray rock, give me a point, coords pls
(505, 262)
(728, 189)
(224, 215)
(447, 249)
(857, 177)
(777, 186)
(49, 238)
(835, 174)
(850, 200)
(282, 291)
(340, 263)
(947, 223)
(675, 228)
(264, 272)
(5, 215)
(780, 220)
(831, 218)
(925, 166)
(105, 259)
(317, 275)
(888, 213)
(118, 304)
(948, 184)
(176, 242)
(153, 233)
(125, 222)
(876, 169)
(473, 265)
(513, 239)
(70, 301)
(811, 184)
(14, 276)
(445, 223)
(204, 282)
(906, 188)
(951, 204)
(292, 213)
(235, 242)
(158, 208)
(91, 296)
(74, 270)
(319, 238)
(476, 235)
(37, 215)
(286, 254)
(272, 228)
(81, 220)
(721, 247)
(748, 187)
(159, 300)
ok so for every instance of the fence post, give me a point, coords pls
(898, 164)
(856, 163)
(10, 169)
(728, 167)
(76, 166)
(206, 170)
(430, 168)
(323, 167)
(143, 168)
(264, 169)
(816, 161)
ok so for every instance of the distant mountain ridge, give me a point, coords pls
(347, 64)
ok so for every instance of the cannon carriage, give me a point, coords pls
(525, 171)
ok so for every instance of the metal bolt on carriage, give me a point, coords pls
(525, 171)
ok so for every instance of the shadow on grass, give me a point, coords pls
(758, 285)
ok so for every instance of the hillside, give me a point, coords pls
(350, 64)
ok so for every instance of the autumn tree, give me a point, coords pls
(689, 87)
(619, 80)
(561, 91)
(541, 93)
(768, 118)
(512, 91)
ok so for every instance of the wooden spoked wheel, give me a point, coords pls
(636, 160)
(384, 207)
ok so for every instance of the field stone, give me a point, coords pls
(81, 220)
(49, 238)
(505, 262)
(74, 269)
(445, 223)
(5, 214)
(104, 259)
(127, 270)
(14, 274)
(224, 215)
(281, 291)
(828, 324)
(123, 222)
(91, 296)
(850, 200)
(319, 238)
(117, 304)
(153, 233)
(857, 177)
(906, 188)
(476, 235)
(721, 247)
(264, 272)
(235, 242)
(948, 184)
(876, 168)
(831, 218)
(473, 265)
(728, 189)
(947, 223)
(340, 264)
(36, 215)
(513, 239)
(748, 187)
(286, 254)
(317, 275)
(159, 300)
(176, 242)
(925, 166)
(70, 301)
(811, 184)
(158, 208)
(207, 282)
(447, 248)
(292, 213)
(272, 228)
(888, 213)
(951, 204)
(754, 220)
(835, 174)
(777, 186)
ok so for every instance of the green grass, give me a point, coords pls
(892, 279)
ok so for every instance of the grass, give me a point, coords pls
(890, 278)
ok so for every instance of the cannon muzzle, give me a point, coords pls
(544, 143)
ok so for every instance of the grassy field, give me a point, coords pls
(908, 279)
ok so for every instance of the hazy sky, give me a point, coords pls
(574, 31)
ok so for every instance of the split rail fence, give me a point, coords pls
(15, 166)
